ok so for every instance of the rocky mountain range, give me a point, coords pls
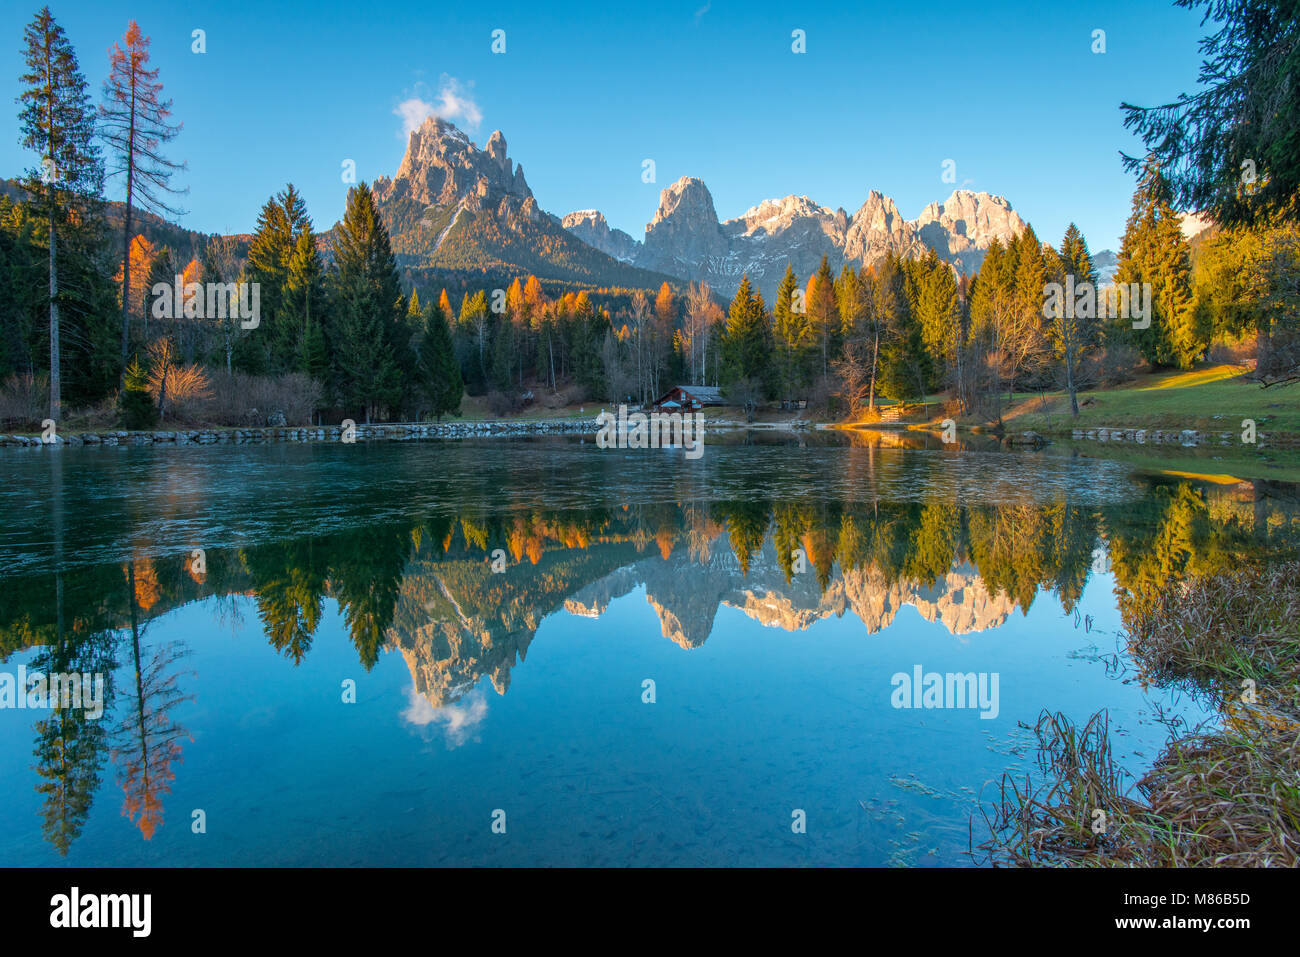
(685, 238)
(454, 208)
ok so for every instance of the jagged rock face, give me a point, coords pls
(589, 225)
(878, 227)
(442, 167)
(794, 231)
(685, 231)
(685, 238)
(452, 206)
(961, 228)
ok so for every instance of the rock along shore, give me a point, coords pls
(321, 433)
(1188, 438)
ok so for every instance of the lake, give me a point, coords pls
(531, 651)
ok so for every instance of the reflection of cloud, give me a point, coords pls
(459, 721)
(452, 102)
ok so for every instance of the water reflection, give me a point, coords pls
(460, 590)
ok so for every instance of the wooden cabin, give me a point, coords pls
(689, 398)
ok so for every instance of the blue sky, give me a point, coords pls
(1011, 92)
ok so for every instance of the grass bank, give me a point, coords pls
(1213, 398)
(1227, 795)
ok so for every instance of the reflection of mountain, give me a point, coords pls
(456, 621)
(687, 597)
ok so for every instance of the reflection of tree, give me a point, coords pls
(70, 746)
(1028, 543)
(367, 574)
(289, 580)
(1155, 541)
(1073, 536)
(1007, 546)
(147, 738)
(935, 544)
(746, 523)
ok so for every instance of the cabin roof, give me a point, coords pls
(708, 394)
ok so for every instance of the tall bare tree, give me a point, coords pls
(134, 122)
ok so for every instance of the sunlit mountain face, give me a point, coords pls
(355, 665)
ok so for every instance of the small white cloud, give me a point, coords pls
(458, 721)
(453, 102)
(702, 11)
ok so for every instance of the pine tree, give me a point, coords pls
(438, 371)
(134, 124)
(57, 122)
(904, 363)
(747, 341)
(282, 228)
(367, 299)
(1077, 328)
(939, 313)
(823, 313)
(1153, 251)
(1230, 147)
(792, 335)
(135, 404)
(304, 308)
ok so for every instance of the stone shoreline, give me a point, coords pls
(1187, 438)
(325, 433)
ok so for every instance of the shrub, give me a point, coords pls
(241, 399)
(24, 401)
(177, 387)
(1118, 364)
(504, 403)
(1235, 352)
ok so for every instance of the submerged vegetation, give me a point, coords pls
(1227, 795)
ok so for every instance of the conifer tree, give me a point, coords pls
(438, 372)
(57, 122)
(1154, 251)
(1076, 328)
(1230, 147)
(747, 340)
(134, 122)
(304, 308)
(367, 312)
(823, 313)
(792, 335)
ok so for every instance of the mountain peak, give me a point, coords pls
(442, 166)
(590, 226)
(685, 227)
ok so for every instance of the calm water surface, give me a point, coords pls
(370, 654)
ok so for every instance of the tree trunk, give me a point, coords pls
(875, 354)
(1069, 377)
(56, 405)
(126, 233)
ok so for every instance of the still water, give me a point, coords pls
(536, 652)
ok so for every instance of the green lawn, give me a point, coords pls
(1211, 398)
